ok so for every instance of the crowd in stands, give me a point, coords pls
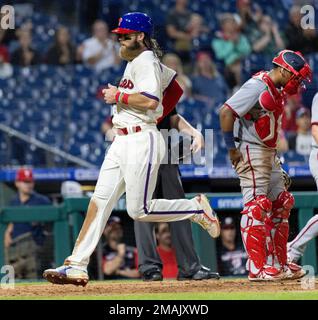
(211, 62)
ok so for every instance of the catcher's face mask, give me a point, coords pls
(295, 63)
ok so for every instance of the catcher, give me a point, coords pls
(250, 121)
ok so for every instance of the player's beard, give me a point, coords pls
(130, 52)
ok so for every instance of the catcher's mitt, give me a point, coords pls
(287, 179)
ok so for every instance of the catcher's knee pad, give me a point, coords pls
(282, 205)
(258, 208)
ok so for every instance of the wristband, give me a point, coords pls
(124, 98)
(121, 97)
(117, 96)
(229, 140)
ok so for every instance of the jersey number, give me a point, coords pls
(126, 84)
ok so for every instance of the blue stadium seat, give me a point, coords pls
(2, 116)
(52, 102)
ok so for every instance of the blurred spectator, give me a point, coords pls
(301, 142)
(266, 38)
(99, 52)
(250, 15)
(62, 52)
(6, 69)
(6, 35)
(25, 55)
(289, 116)
(199, 32)
(23, 240)
(107, 125)
(208, 85)
(119, 260)
(230, 46)
(196, 26)
(166, 251)
(172, 61)
(178, 29)
(299, 39)
(4, 52)
(232, 257)
(282, 143)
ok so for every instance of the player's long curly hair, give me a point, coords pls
(153, 45)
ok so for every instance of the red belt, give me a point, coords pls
(125, 131)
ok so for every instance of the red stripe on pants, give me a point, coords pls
(253, 174)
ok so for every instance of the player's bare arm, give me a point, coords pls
(182, 125)
(227, 123)
(113, 95)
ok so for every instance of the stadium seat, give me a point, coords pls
(56, 102)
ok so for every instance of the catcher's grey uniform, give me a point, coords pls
(254, 141)
(297, 247)
(258, 107)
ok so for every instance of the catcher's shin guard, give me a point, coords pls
(278, 229)
(254, 232)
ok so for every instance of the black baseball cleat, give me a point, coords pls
(203, 274)
(152, 275)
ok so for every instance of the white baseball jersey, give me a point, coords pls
(314, 116)
(146, 75)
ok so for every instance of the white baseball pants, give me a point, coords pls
(297, 247)
(131, 165)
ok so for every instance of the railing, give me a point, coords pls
(57, 215)
(69, 214)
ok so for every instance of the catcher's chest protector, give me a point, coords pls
(271, 104)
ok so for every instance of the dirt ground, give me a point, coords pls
(115, 288)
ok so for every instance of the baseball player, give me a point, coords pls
(132, 162)
(297, 247)
(250, 121)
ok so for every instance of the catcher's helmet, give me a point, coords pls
(134, 22)
(294, 62)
